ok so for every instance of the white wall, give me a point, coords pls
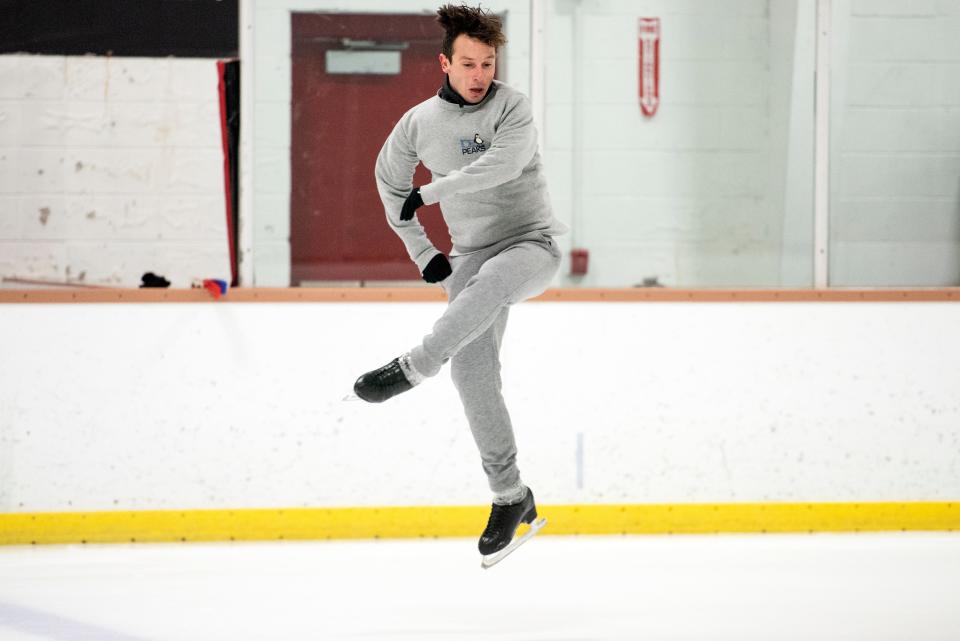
(239, 405)
(269, 31)
(895, 152)
(109, 168)
(694, 195)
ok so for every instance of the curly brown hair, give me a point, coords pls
(475, 22)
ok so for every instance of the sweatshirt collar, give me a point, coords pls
(449, 94)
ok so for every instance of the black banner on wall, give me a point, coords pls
(145, 28)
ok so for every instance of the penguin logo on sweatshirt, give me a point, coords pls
(474, 146)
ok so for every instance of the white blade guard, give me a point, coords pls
(491, 560)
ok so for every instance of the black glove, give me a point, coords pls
(411, 204)
(437, 269)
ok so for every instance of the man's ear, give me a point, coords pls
(444, 63)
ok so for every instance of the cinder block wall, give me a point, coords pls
(895, 196)
(695, 195)
(111, 167)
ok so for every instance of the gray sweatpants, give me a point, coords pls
(481, 289)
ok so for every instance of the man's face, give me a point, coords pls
(472, 68)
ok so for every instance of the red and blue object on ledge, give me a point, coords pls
(215, 286)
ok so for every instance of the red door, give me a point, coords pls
(338, 230)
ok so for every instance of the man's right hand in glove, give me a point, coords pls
(411, 204)
(437, 269)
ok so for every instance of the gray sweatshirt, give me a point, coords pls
(487, 174)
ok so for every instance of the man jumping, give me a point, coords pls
(477, 138)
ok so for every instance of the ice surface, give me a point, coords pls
(773, 587)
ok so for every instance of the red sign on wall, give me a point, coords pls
(649, 44)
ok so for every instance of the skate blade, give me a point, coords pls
(351, 397)
(491, 560)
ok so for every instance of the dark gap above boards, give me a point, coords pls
(140, 28)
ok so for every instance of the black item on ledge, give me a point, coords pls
(152, 280)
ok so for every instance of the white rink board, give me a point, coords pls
(166, 406)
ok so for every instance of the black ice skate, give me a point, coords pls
(386, 382)
(497, 541)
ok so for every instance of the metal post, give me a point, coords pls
(538, 68)
(577, 138)
(245, 213)
(821, 214)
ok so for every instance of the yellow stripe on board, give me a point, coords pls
(444, 521)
